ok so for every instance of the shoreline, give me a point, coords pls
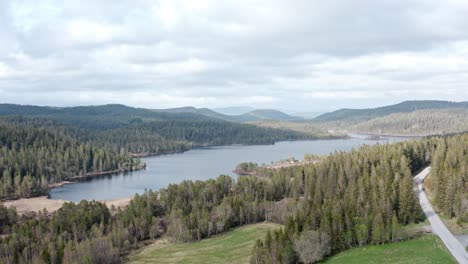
(357, 134)
(58, 184)
(73, 179)
(154, 154)
(36, 204)
(275, 166)
(94, 174)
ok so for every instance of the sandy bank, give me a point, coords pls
(39, 203)
(59, 184)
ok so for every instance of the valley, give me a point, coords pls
(259, 132)
(179, 199)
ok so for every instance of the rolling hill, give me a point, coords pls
(98, 117)
(303, 126)
(417, 123)
(234, 110)
(267, 114)
(192, 110)
(254, 115)
(141, 130)
(353, 115)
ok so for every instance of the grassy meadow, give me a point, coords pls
(232, 247)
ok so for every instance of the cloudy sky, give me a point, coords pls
(291, 55)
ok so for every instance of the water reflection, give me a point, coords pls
(198, 164)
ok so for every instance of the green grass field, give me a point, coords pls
(236, 247)
(233, 247)
(427, 249)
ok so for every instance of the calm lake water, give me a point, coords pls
(197, 164)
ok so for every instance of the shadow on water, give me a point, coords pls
(106, 176)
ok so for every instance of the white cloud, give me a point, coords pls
(5, 70)
(168, 14)
(297, 54)
(83, 32)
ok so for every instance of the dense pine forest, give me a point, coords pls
(33, 157)
(345, 200)
(376, 206)
(448, 182)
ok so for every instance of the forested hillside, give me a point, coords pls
(160, 136)
(409, 118)
(33, 157)
(200, 111)
(417, 123)
(346, 200)
(250, 116)
(354, 115)
(177, 135)
(109, 114)
(266, 114)
(306, 127)
(143, 130)
(96, 117)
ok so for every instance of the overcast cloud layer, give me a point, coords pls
(293, 55)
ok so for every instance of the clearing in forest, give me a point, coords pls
(232, 247)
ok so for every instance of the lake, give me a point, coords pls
(197, 164)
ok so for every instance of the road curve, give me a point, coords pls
(438, 227)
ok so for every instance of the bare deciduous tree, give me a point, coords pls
(312, 246)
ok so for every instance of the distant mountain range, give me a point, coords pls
(254, 115)
(102, 116)
(248, 114)
(404, 107)
(266, 114)
(307, 115)
(126, 112)
(416, 123)
(240, 110)
(234, 110)
(409, 118)
(406, 118)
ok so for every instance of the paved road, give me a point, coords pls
(438, 227)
